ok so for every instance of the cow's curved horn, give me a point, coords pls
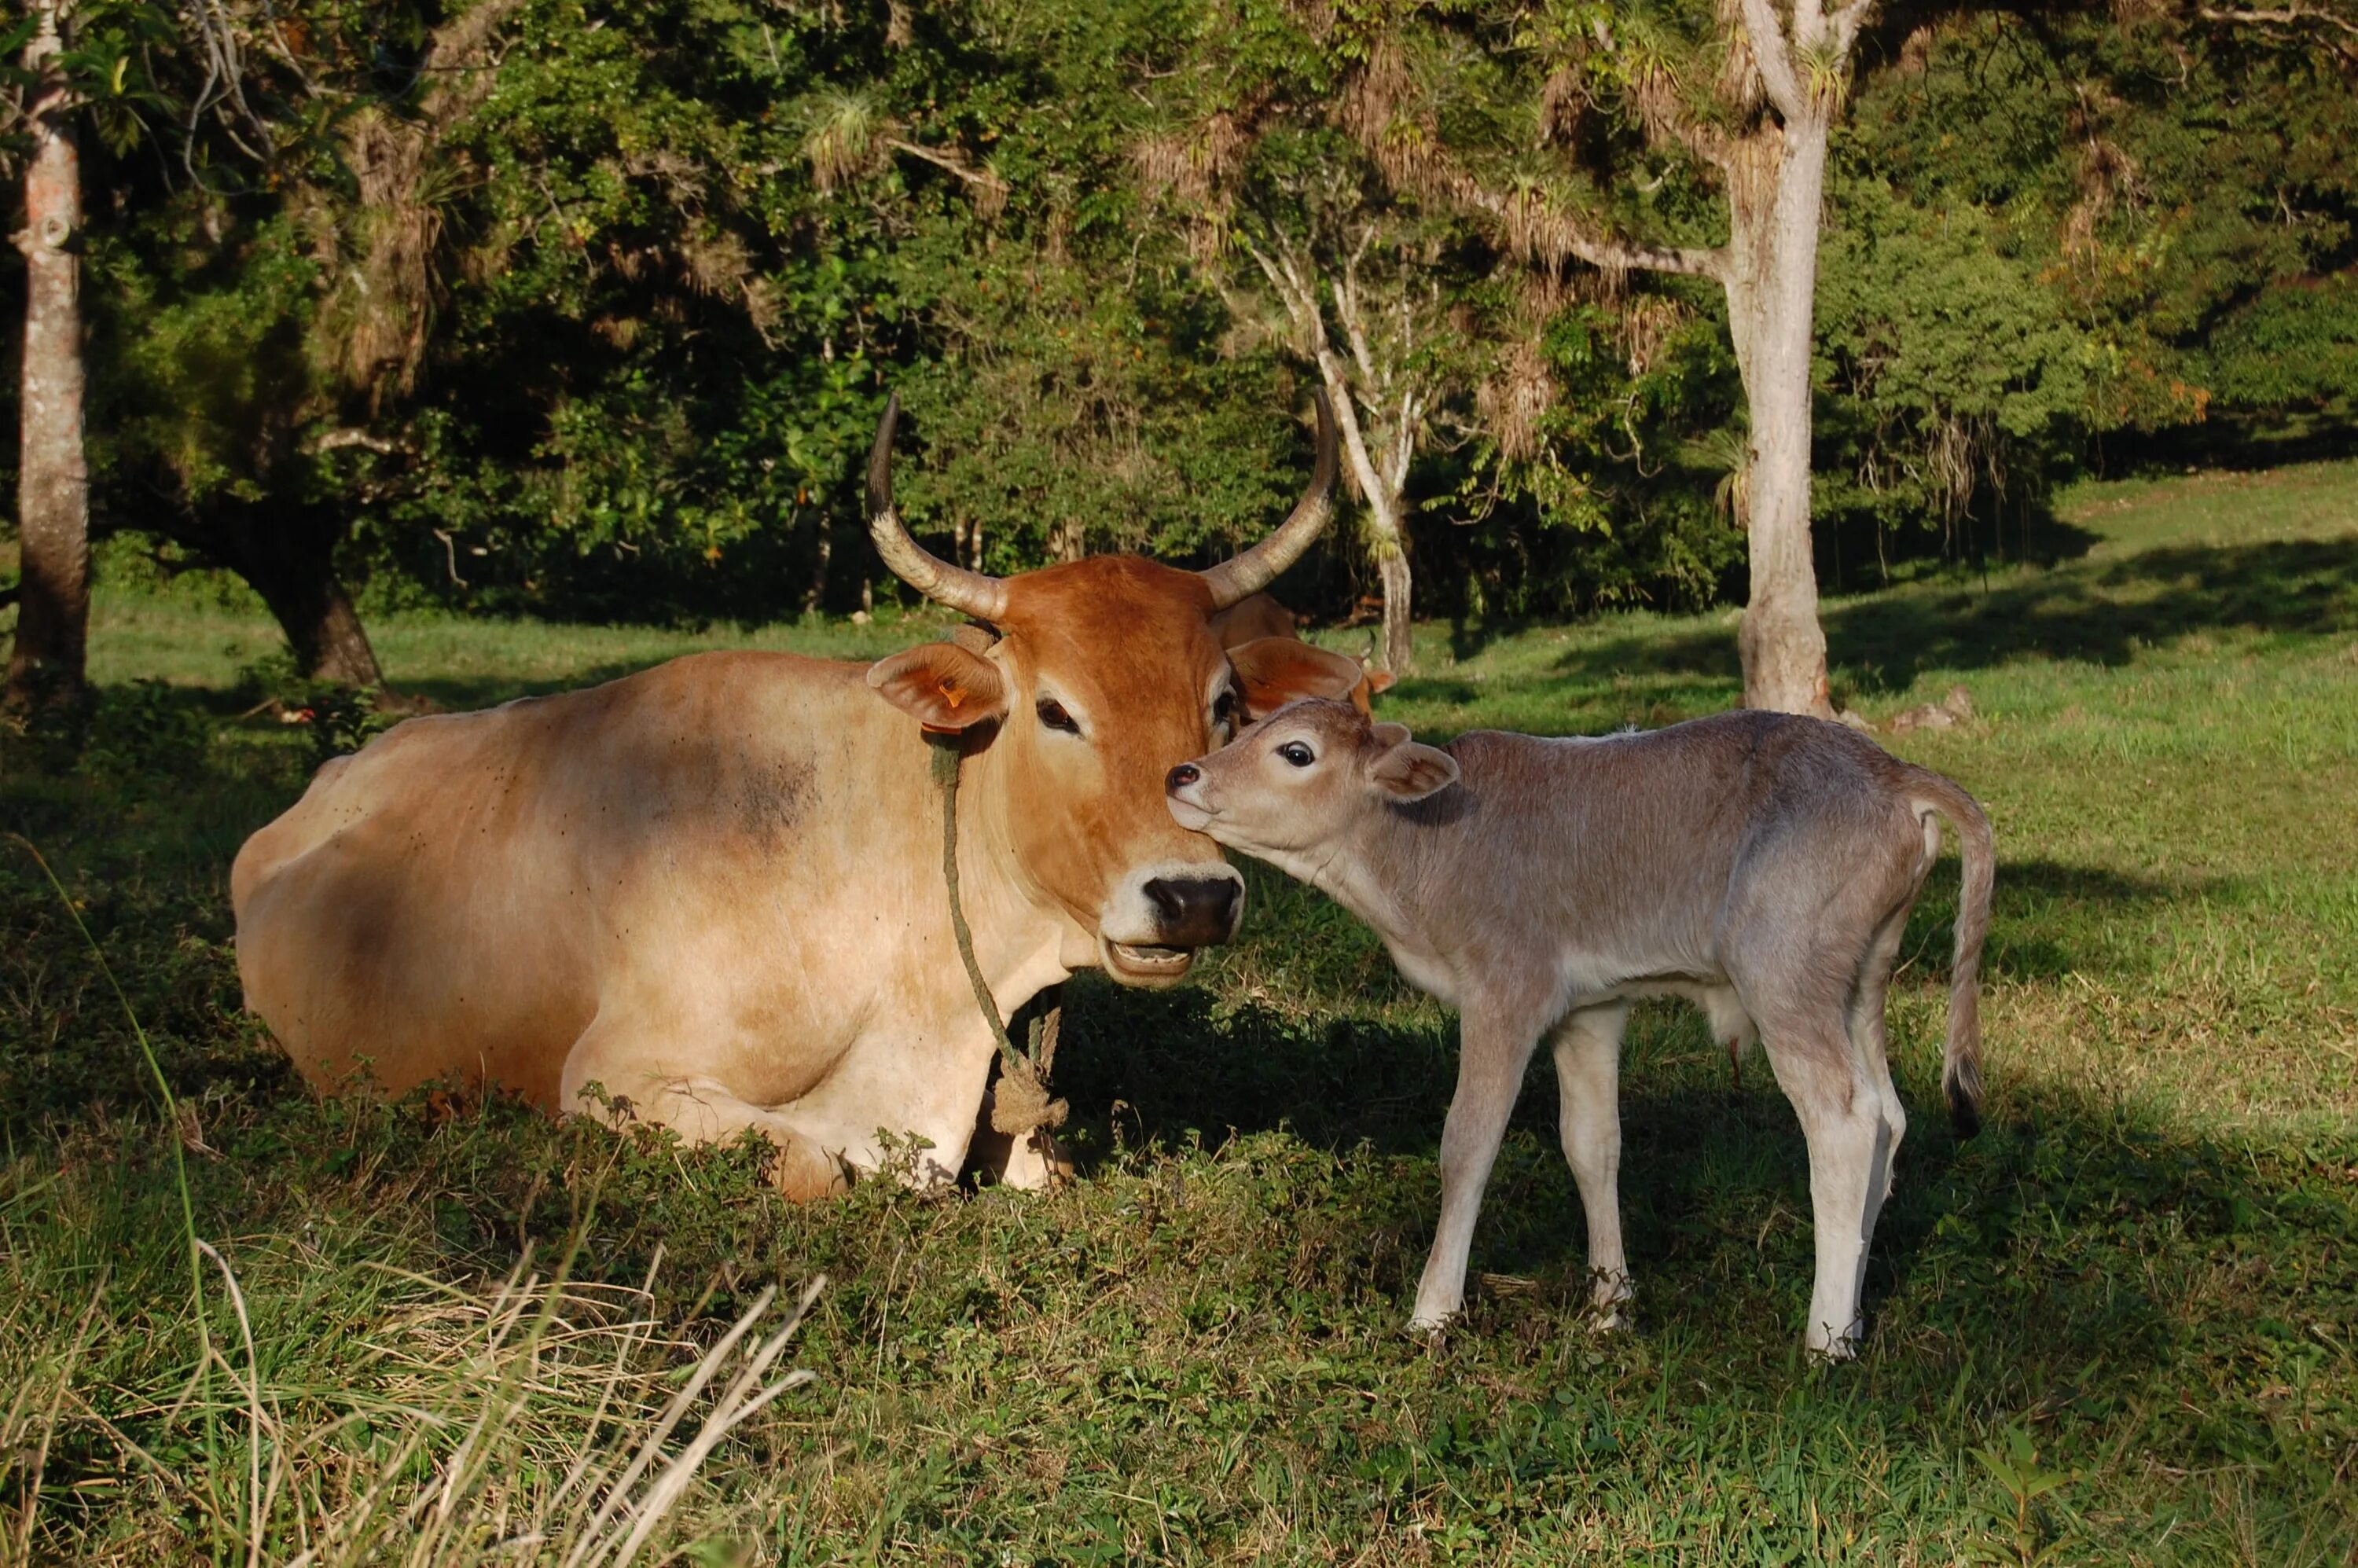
(978, 594)
(1247, 574)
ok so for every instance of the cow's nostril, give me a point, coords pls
(1194, 913)
(1182, 776)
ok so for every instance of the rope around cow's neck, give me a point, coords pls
(1020, 1106)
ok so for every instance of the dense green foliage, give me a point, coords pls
(587, 307)
(2116, 1326)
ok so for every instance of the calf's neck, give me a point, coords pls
(1759, 864)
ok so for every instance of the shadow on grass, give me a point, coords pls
(2075, 1248)
(2098, 613)
(2048, 918)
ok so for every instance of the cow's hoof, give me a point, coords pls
(1835, 1350)
(1431, 1326)
(1033, 1162)
(805, 1171)
(1041, 1164)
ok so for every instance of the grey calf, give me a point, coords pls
(1761, 864)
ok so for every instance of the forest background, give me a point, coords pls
(586, 309)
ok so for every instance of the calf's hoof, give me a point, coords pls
(1610, 1300)
(1826, 1349)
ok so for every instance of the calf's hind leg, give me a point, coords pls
(1871, 1043)
(1587, 1048)
(1841, 1110)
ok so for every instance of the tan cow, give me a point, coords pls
(715, 888)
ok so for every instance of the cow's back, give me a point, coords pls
(447, 901)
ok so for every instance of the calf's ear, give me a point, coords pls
(1406, 771)
(1275, 671)
(942, 686)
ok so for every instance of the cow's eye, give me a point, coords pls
(1224, 708)
(1054, 717)
(1300, 755)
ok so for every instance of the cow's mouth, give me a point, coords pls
(1145, 962)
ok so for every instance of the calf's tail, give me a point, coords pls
(1961, 1066)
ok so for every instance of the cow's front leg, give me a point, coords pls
(1032, 1163)
(699, 1108)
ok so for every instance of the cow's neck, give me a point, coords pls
(1023, 940)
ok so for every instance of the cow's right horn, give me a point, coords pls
(1246, 575)
(978, 594)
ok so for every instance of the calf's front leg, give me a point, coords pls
(1495, 1043)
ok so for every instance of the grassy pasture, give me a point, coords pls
(2120, 1325)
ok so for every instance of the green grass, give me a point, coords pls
(2120, 1325)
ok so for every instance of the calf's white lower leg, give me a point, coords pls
(1489, 1071)
(1847, 1142)
(1587, 1048)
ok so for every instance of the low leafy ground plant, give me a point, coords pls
(2116, 1326)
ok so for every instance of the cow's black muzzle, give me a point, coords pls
(1195, 912)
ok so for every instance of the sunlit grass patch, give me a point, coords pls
(2116, 1326)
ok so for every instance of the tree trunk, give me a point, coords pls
(1392, 568)
(823, 551)
(1388, 542)
(1776, 197)
(323, 628)
(53, 478)
(291, 561)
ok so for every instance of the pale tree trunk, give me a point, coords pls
(1380, 411)
(1771, 308)
(1775, 172)
(1387, 539)
(53, 479)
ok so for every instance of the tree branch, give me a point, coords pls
(1598, 251)
(949, 161)
(337, 441)
(1774, 58)
(2290, 17)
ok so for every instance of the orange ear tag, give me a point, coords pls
(956, 698)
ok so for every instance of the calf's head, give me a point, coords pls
(1302, 778)
(1082, 684)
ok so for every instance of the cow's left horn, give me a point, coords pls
(1247, 574)
(978, 594)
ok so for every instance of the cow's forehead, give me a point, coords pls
(1109, 613)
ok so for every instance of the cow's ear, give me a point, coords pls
(943, 686)
(1406, 771)
(1378, 681)
(1275, 671)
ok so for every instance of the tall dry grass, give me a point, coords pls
(535, 1420)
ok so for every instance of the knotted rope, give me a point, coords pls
(1022, 1105)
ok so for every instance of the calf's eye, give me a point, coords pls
(1053, 715)
(1300, 755)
